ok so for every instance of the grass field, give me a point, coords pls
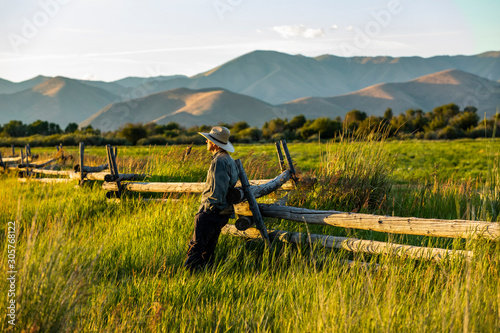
(416, 160)
(85, 263)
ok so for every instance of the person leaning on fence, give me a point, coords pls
(214, 211)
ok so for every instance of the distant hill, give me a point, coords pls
(133, 81)
(361, 72)
(8, 87)
(190, 107)
(277, 77)
(121, 87)
(187, 107)
(267, 75)
(426, 93)
(324, 85)
(59, 100)
(111, 87)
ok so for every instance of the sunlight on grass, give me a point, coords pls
(88, 264)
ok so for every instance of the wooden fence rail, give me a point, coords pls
(389, 224)
(173, 187)
(86, 168)
(11, 159)
(103, 176)
(36, 165)
(352, 244)
(52, 172)
(46, 180)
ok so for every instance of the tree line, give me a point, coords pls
(443, 122)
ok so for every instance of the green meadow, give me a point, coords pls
(84, 263)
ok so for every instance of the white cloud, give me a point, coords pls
(334, 27)
(299, 30)
(350, 28)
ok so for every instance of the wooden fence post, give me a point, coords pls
(257, 217)
(280, 156)
(1, 162)
(289, 160)
(21, 173)
(28, 173)
(13, 151)
(82, 174)
(114, 173)
(110, 194)
(115, 165)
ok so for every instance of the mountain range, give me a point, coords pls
(424, 93)
(260, 86)
(59, 100)
(186, 107)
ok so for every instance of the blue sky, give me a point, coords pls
(111, 39)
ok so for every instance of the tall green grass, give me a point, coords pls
(354, 174)
(88, 264)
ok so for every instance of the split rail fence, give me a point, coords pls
(249, 213)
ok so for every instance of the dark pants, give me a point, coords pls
(207, 228)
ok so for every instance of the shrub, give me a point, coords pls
(278, 137)
(133, 132)
(450, 132)
(420, 135)
(480, 132)
(405, 136)
(430, 135)
(159, 140)
(296, 122)
(239, 126)
(248, 135)
(465, 120)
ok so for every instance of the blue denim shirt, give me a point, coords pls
(222, 175)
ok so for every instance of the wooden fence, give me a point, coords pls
(250, 223)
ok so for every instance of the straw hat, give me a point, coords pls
(219, 135)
